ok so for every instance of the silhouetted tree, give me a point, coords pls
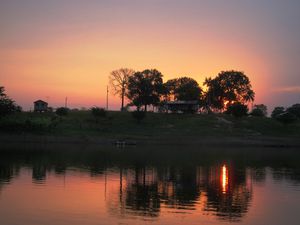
(183, 89)
(118, 80)
(138, 115)
(62, 111)
(295, 109)
(145, 88)
(227, 88)
(237, 109)
(2, 94)
(98, 112)
(286, 118)
(7, 105)
(277, 111)
(259, 110)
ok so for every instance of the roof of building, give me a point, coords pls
(182, 102)
(38, 101)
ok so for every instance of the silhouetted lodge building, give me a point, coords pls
(40, 106)
(182, 106)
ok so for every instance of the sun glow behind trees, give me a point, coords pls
(67, 48)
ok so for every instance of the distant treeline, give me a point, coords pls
(229, 92)
(146, 88)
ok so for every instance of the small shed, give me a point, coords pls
(182, 106)
(40, 106)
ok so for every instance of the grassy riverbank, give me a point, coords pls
(171, 127)
(122, 124)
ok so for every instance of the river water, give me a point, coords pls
(71, 184)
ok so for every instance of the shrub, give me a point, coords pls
(257, 113)
(62, 111)
(139, 115)
(98, 112)
(126, 108)
(259, 110)
(286, 118)
(237, 110)
(7, 105)
(277, 111)
(295, 109)
(32, 125)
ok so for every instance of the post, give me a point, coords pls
(66, 102)
(106, 97)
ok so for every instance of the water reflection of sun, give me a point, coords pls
(224, 179)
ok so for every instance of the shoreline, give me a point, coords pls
(216, 141)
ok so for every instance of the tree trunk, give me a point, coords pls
(122, 105)
(122, 97)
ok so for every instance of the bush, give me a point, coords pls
(62, 111)
(259, 110)
(7, 105)
(126, 108)
(295, 109)
(139, 115)
(98, 112)
(277, 111)
(237, 110)
(286, 118)
(257, 113)
(32, 125)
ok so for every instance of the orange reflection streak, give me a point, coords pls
(224, 179)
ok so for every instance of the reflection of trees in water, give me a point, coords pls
(180, 185)
(39, 171)
(142, 196)
(7, 173)
(233, 202)
(292, 175)
(147, 190)
(137, 194)
(258, 175)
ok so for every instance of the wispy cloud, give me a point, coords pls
(291, 89)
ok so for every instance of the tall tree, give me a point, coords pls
(145, 88)
(227, 88)
(277, 111)
(295, 109)
(2, 94)
(183, 89)
(7, 105)
(118, 80)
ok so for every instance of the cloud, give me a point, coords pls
(291, 89)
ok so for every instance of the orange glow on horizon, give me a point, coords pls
(68, 48)
(77, 64)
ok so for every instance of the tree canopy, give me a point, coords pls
(2, 94)
(295, 109)
(7, 105)
(118, 80)
(237, 109)
(260, 110)
(145, 88)
(227, 88)
(183, 89)
(277, 111)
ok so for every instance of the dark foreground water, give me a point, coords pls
(78, 185)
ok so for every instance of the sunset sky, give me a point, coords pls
(50, 49)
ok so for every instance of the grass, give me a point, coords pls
(155, 125)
